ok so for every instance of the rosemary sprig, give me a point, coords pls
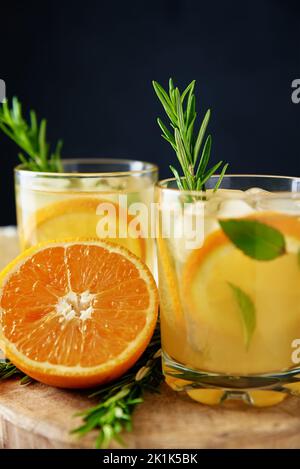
(181, 111)
(30, 137)
(114, 412)
(9, 370)
(118, 400)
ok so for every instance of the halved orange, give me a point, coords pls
(79, 217)
(76, 313)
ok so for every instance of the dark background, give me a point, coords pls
(88, 67)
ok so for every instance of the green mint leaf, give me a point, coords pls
(247, 312)
(256, 239)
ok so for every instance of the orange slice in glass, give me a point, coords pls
(213, 315)
(80, 217)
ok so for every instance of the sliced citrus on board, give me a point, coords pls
(80, 217)
(78, 313)
(213, 317)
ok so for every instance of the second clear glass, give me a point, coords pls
(54, 206)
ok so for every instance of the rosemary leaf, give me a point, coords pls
(165, 101)
(118, 400)
(201, 133)
(221, 177)
(177, 177)
(189, 89)
(171, 91)
(204, 157)
(211, 172)
(9, 370)
(179, 110)
(166, 131)
(190, 110)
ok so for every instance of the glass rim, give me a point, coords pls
(160, 184)
(149, 168)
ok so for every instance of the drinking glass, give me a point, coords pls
(91, 198)
(229, 281)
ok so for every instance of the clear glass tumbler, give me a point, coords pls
(102, 198)
(229, 280)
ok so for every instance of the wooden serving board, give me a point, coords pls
(38, 416)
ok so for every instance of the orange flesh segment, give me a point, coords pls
(29, 301)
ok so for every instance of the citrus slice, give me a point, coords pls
(213, 316)
(256, 398)
(80, 217)
(171, 315)
(76, 313)
(170, 299)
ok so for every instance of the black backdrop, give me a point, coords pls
(87, 67)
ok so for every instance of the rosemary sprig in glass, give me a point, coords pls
(181, 111)
(30, 137)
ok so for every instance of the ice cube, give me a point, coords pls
(228, 194)
(49, 184)
(255, 191)
(234, 209)
(286, 205)
(189, 229)
(225, 203)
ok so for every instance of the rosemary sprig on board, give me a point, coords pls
(118, 400)
(30, 137)
(181, 112)
(9, 370)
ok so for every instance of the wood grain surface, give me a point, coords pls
(38, 416)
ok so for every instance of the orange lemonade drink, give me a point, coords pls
(91, 199)
(229, 277)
